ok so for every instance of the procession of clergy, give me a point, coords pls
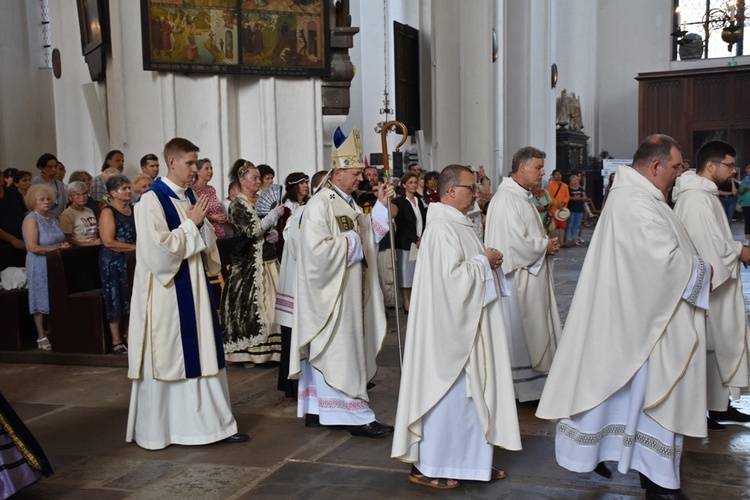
(635, 369)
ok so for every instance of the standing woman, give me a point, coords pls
(216, 215)
(410, 214)
(98, 189)
(85, 177)
(117, 232)
(246, 316)
(42, 234)
(8, 176)
(297, 193)
(22, 181)
(430, 187)
(78, 222)
(576, 205)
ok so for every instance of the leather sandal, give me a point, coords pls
(119, 348)
(497, 474)
(440, 483)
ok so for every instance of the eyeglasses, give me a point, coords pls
(472, 187)
(730, 165)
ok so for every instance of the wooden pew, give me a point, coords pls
(18, 331)
(77, 321)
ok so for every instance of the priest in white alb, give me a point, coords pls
(515, 227)
(629, 377)
(698, 207)
(339, 318)
(456, 399)
(180, 393)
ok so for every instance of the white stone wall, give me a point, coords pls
(265, 120)
(529, 98)
(27, 110)
(473, 111)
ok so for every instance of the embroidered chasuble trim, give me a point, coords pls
(651, 443)
(353, 405)
(699, 283)
(184, 291)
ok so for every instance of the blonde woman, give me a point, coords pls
(41, 234)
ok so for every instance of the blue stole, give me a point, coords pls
(184, 290)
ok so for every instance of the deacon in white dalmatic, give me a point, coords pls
(698, 207)
(515, 227)
(629, 377)
(176, 359)
(456, 399)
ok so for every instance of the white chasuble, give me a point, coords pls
(698, 207)
(515, 228)
(628, 309)
(339, 316)
(450, 332)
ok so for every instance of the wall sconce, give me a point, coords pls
(554, 75)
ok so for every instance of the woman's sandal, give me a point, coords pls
(119, 348)
(44, 344)
(441, 483)
(497, 474)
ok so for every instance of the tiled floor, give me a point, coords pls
(78, 414)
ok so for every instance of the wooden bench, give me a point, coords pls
(77, 321)
(18, 330)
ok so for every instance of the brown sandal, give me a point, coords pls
(440, 483)
(497, 474)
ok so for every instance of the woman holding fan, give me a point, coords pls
(250, 293)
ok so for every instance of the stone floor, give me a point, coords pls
(78, 414)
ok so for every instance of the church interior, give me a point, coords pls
(583, 80)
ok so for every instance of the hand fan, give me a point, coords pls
(268, 199)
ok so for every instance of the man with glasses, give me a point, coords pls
(456, 397)
(629, 377)
(515, 227)
(698, 206)
(150, 165)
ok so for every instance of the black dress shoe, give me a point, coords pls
(312, 420)
(370, 385)
(731, 415)
(372, 430)
(674, 495)
(603, 470)
(713, 425)
(236, 438)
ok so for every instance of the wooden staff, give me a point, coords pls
(387, 172)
